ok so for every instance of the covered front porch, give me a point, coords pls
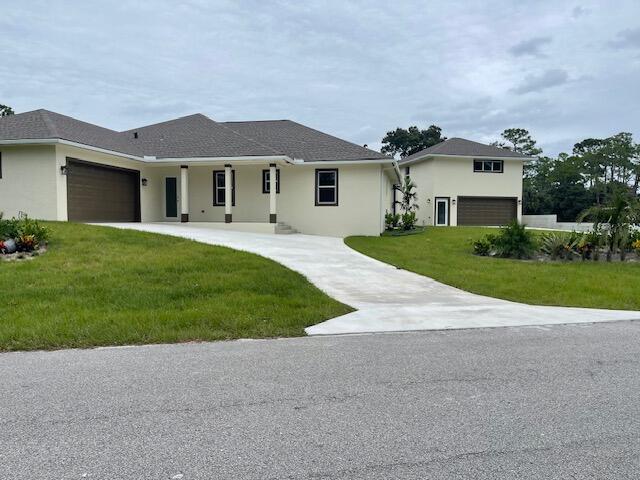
(236, 196)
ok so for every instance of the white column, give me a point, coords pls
(272, 193)
(184, 193)
(228, 195)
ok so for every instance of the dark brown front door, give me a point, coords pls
(490, 211)
(97, 193)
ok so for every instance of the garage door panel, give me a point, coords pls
(486, 210)
(97, 193)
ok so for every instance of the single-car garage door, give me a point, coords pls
(486, 210)
(96, 193)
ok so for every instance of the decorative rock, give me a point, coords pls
(10, 246)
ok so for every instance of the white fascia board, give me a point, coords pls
(255, 158)
(479, 157)
(345, 162)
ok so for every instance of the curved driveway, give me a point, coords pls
(386, 298)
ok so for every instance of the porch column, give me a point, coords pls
(228, 195)
(272, 193)
(184, 193)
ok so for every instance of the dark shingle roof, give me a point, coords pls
(195, 136)
(45, 124)
(190, 136)
(302, 142)
(466, 148)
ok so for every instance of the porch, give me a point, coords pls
(229, 196)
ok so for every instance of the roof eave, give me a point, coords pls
(496, 157)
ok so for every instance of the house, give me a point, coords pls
(245, 175)
(460, 182)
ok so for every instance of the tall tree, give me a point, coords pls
(405, 142)
(519, 140)
(6, 111)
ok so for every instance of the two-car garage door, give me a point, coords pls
(97, 193)
(486, 210)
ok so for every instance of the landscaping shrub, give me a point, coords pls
(391, 220)
(563, 245)
(409, 220)
(23, 234)
(514, 241)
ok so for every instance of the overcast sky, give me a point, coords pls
(563, 70)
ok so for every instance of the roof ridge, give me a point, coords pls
(259, 121)
(222, 124)
(44, 114)
(169, 121)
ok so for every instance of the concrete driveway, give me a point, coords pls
(386, 298)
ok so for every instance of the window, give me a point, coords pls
(488, 166)
(218, 188)
(326, 187)
(266, 184)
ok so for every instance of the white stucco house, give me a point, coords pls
(460, 182)
(263, 176)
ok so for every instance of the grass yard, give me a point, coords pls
(103, 286)
(444, 254)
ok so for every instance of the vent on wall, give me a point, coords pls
(135, 134)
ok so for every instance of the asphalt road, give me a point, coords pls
(526, 402)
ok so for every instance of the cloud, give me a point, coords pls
(530, 47)
(549, 78)
(629, 38)
(579, 11)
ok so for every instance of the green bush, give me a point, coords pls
(23, 227)
(391, 220)
(409, 220)
(514, 241)
(562, 245)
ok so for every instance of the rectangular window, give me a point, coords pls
(326, 187)
(488, 166)
(218, 188)
(266, 183)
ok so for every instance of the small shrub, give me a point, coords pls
(30, 227)
(26, 243)
(9, 228)
(636, 246)
(391, 220)
(514, 241)
(562, 245)
(482, 247)
(409, 220)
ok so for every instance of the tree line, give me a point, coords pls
(595, 171)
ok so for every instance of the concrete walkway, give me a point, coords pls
(386, 298)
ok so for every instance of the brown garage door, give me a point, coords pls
(96, 193)
(486, 210)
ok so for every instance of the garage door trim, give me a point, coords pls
(135, 173)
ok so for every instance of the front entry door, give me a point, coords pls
(442, 211)
(171, 197)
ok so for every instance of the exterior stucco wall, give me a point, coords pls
(28, 182)
(359, 210)
(454, 177)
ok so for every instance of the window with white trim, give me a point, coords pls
(326, 186)
(488, 166)
(219, 188)
(266, 183)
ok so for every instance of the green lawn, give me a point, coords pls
(445, 255)
(103, 286)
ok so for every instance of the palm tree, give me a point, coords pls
(408, 203)
(615, 219)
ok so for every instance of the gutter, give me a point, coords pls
(298, 161)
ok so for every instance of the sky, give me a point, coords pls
(564, 70)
